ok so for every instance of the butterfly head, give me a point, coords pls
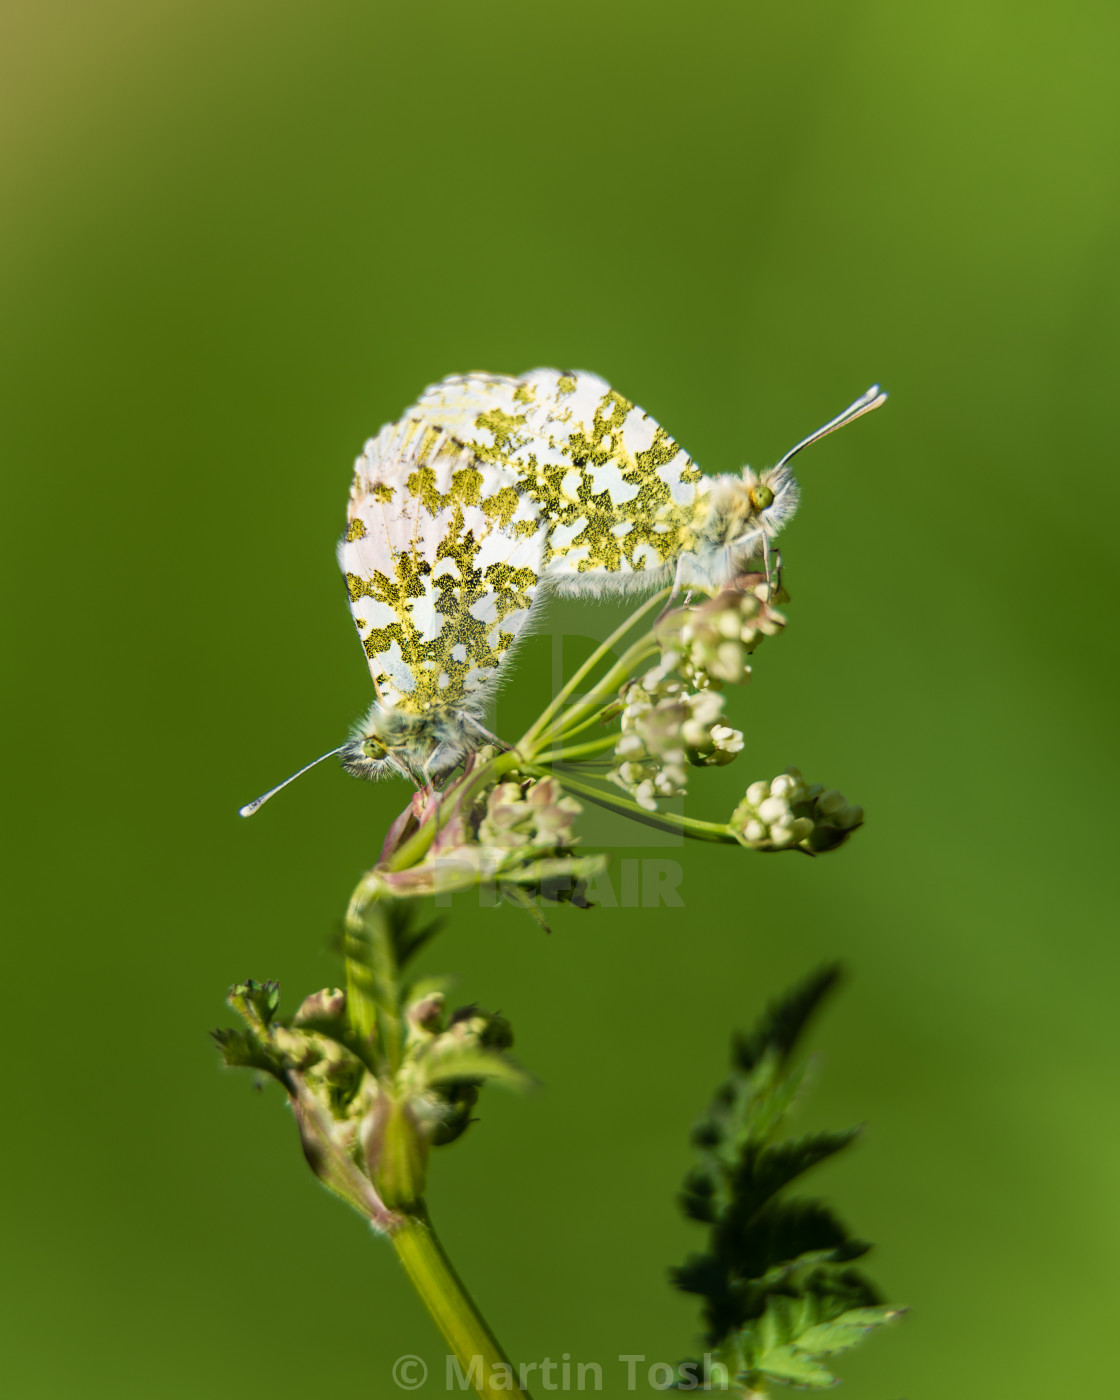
(769, 499)
(741, 509)
(393, 741)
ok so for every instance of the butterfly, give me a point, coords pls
(625, 506)
(492, 490)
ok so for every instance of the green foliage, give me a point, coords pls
(776, 1278)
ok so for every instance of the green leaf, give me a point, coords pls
(793, 1367)
(242, 1050)
(473, 1064)
(781, 1028)
(255, 1002)
(779, 1293)
(762, 1172)
(843, 1332)
(409, 935)
(783, 1234)
(522, 899)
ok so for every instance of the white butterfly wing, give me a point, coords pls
(442, 557)
(618, 496)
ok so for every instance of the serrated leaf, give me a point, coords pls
(763, 1171)
(407, 933)
(784, 1022)
(699, 1273)
(784, 1234)
(698, 1197)
(845, 1331)
(255, 1002)
(473, 1063)
(778, 1292)
(521, 899)
(242, 1050)
(793, 1367)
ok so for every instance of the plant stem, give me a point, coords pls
(528, 741)
(416, 847)
(578, 751)
(603, 690)
(663, 821)
(450, 1305)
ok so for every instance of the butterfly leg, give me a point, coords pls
(487, 734)
(766, 564)
(673, 594)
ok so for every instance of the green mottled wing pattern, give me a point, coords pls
(616, 495)
(442, 557)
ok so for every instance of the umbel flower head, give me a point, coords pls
(667, 727)
(529, 816)
(516, 837)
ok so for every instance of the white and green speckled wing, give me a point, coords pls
(442, 556)
(617, 496)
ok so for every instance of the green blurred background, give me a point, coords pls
(238, 237)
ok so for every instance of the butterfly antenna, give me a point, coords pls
(873, 398)
(251, 807)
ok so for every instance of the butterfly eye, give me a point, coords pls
(373, 748)
(761, 496)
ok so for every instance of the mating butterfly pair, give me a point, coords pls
(490, 492)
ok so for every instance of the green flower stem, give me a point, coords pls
(528, 742)
(416, 847)
(604, 690)
(450, 1305)
(371, 979)
(571, 731)
(663, 821)
(578, 751)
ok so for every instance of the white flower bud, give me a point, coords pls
(728, 625)
(645, 797)
(694, 733)
(728, 663)
(728, 739)
(773, 809)
(629, 746)
(830, 804)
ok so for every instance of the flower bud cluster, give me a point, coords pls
(535, 815)
(788, 813)
(519, 837)
(713, 640)
(438, 1056)
(666, 728)
(367, 1124)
